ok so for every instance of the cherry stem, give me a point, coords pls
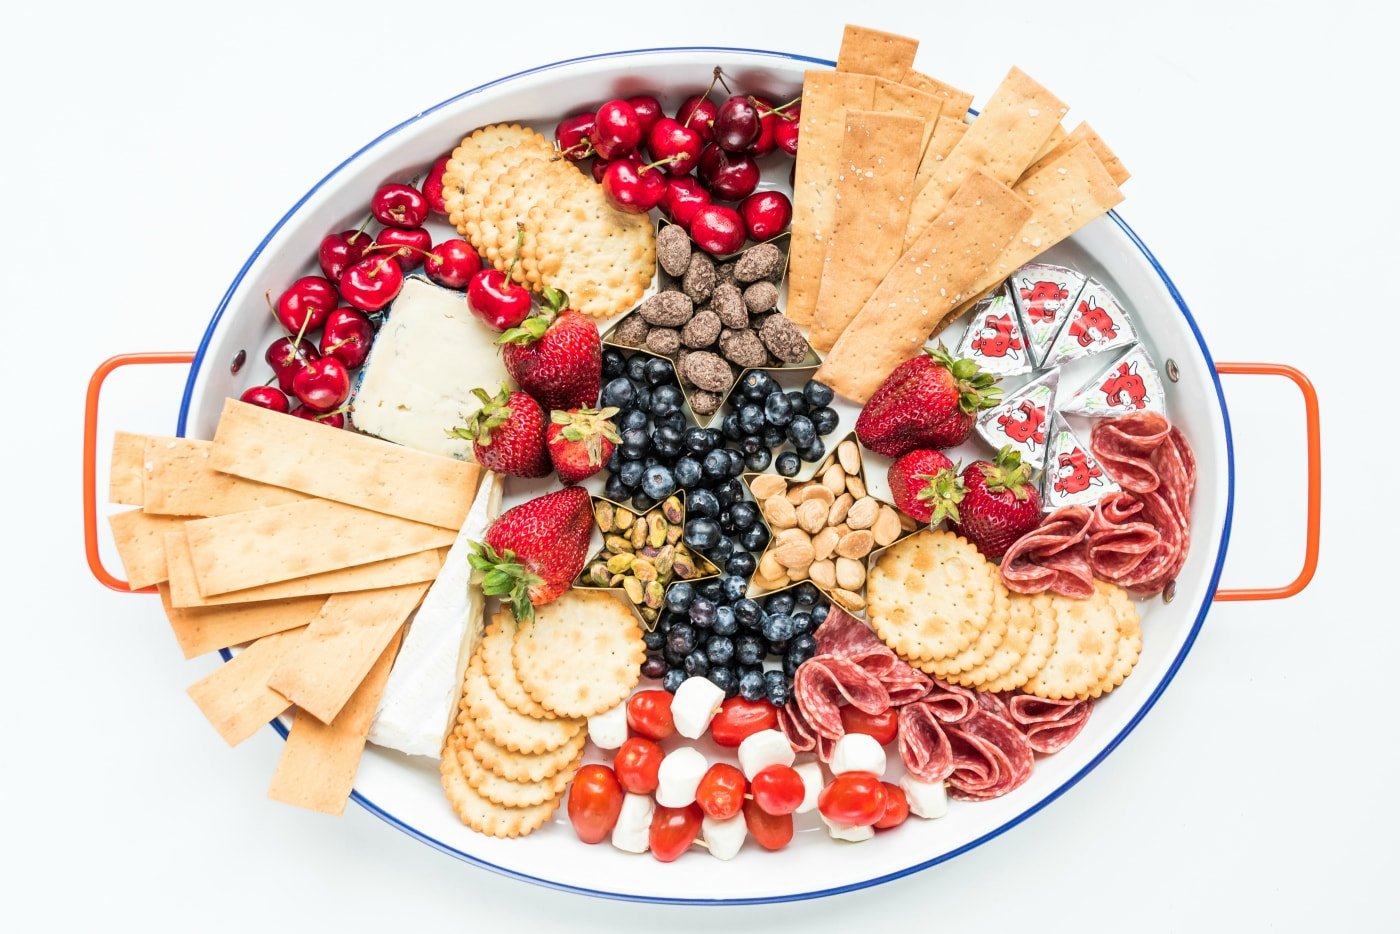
(519, 244)
(406, 247)
(780, 110)
(587, 145)
(296, 346)
(667, 161)
(378, 269)
(337, 345)
(273, 310)
(361, 229)
(703, 97)
(720, 78)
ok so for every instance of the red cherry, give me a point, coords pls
(339, 250)
(306, 303)
(432, 186)
(322, 385)
(397, 205)
(333, 419)
(633, 187)
(267, 397)
(785, 130)
(285, 356)
(347, 337)
(413, 245)
(452, 263)
(717, 230)
(571, 135)
(766, 214)
(767, 123)
(737, 124)
(371, 283)
(616, 130)
(682, 145)
(730, 176)
(599, 169)
(498, 301)
(648, 111)
(684, 196)
(698, 112)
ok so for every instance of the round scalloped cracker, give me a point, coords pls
(602, 258)
(499, 666)
(1129, 642)
(582, 654)
(481, 813)
(929, 595)
(494, 167)
(1020, 627)
(1086, 646)
(466, 159)
(508, 204)
(517, 766)
(503, 726)
(514, 794)
(1045, 629)
(983, 646)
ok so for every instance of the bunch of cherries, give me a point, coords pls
(684, 164)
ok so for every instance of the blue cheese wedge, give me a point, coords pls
(427, 358)
(417, 706)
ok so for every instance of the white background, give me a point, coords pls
(147, 151)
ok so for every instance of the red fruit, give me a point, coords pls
(924, 485)
(616, 130)
(571, 136)
(778, 789)
(413, 244)
(730, 176)
(647, 109)
(698, 112)
(452, 263)
(347, 337)
(580, 441)
(785, 130)
(882, 726)
(285, 355)
(930, 401)
(649, 714)
(496, 300)
(399, 206)
(633, 188)
(717, 230)
(267, 397)
(322, 385)
(305, 304)
(556, 359)
(534, 551)
(507, 434)
(739, 718)
(680, 144)
(737, 124)
(330, 419)
(766, 214)
(637, 764)
(896, 807)
(673, 830)
(595, 801)
(598, 169)
(371, 283)
(856, 798)
(1000, 504)
(770, 831)
(768, 120)
(720, 793)
(340, 250)
(432, 186)
(684, 196)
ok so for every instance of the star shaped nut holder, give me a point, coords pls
(643, 554)
(826, 528)
(634, 334)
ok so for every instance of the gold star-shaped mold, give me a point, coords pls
(826, 528)
(643, 554)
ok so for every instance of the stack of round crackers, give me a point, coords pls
(506, 188)
(941, 605)
(526, 697)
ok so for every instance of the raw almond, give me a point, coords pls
(815, 491)
(834, 479)
(856, 544)
(823, 574)
(793, 548)
(768, 567)
(797, 574)
(850, 574)
(767, 485)
(780, 513)
(855, 486)
(886, 528)
(849, 599)
(907, 523)
(839, 508)
(811, 515)
(863, 513)
(849, 456)
(824, 543)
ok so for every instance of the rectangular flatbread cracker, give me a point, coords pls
(340, 646)
(879, 156)
(319, 761)
(1057, 136)
(826, 95)
(1002, 141)
(126, 483)
(207, 629)
(140, 543)
(279, 543)
(946, 134)
(868, 51)
(891, 97)
(180, 480)
(1085, 134)
(235, 698)
(266, 446)
(927, 282)
(956, 103)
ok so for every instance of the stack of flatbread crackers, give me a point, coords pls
(306, 545)
(941, 605)
(507, 190)
(905, 213)
(526, 699)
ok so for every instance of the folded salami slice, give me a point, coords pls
(1119, 541)
(949, 702)
(793, 723)
(1052, 557)
(1048, 725)
(844, 635)
(824, 682)
(990, 757)
(1125, 445)
(923, 745)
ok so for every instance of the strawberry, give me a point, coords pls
(579, 442)
(1000, 504)
(930, 401)
(535, 551)
(555, 355)
(507, 434)
(925, 486)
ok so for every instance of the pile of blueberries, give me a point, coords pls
(661, 454)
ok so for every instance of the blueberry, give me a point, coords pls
(679, 596)
(711, 591)
(659, 371)
(756, 385)
(819, 613)
(658, 482)
(716, 464)
(803, 646)
(620, 392)
(673, 658)
(673, 680)
(725, 624)
(643, 395)
(748, 612)
(781, 604)
(730, 492)
(812, 452)
(773, 436)
(698, 440)
(806, 594)
(751, 685)
(754, 539)
(632, 418)
(702, 612)
(630, 474)
(824, 419)
(730, 428)
(681, 639)
(744, 515)
(666, 400)
(802, 623)
(751, 444)
(777, 409)
(741, 565)
(721, 551)
(732, 586)
(817, 393)
(635, 444)
(777, 648)
(751, 418)
(719, 650)
(675, 420)
(637, 367)
(701, 503)
(723, 677)
(642, 502)
(696, 663)
(788, 464)
(654, 667)
(614, 363)
(688, 473)
(775, 685)
(666, 442)
(801, 432)
(655, 640)
(749, 650)
(615, 489)
(736, 462)
(758, 461)
(614, 462)
(777, 627)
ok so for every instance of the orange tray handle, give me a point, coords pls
(1310, 409)
(94, 394)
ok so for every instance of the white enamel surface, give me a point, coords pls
(408, 790)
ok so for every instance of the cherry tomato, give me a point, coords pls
(595, 800)
(636, 764)
(896, 807)
(882, 726)
(721, 791)
(772, 831)
(778, 789)
(649, 714)
(856, 798)
(673, 830)
(738, 718)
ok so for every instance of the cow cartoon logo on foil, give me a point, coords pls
(1124, 388)
(1025, 424)
(993, 337)
(1022, 418)
(1043, 300)
(1072, 477)
(1129, 383)
(998, 338)
(1093, 325)
(1097, 323)
(1076, 472)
